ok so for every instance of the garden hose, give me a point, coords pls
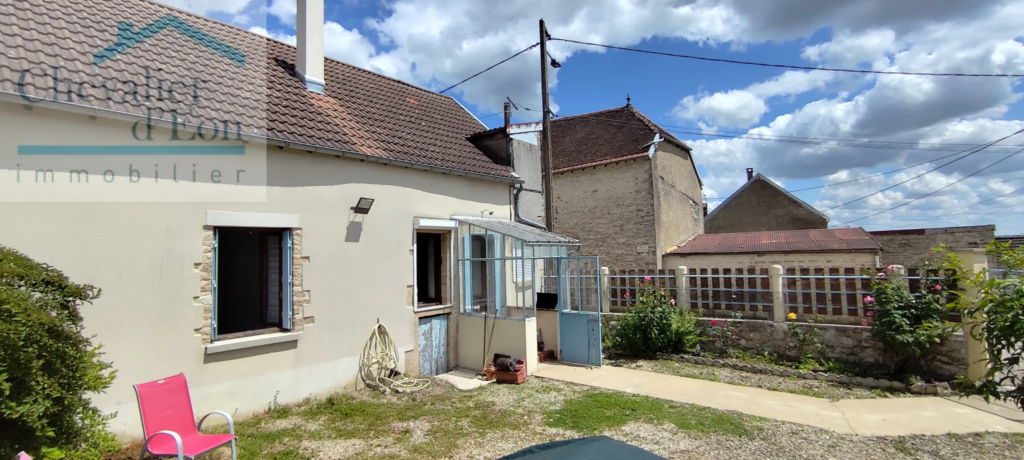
(378, 365)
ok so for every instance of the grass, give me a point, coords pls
(598, 412)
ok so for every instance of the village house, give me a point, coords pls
(252, 210)
(624, 187)
(762, 205)
(912, 247)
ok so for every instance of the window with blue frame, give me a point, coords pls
(252, 281)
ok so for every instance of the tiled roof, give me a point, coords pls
(531, 236)
(1015, 241)
(820, 240)
(595, 137)
(362, 113)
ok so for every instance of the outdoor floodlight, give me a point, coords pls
(363, 206)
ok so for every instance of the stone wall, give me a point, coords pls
(846, 343)
(760, 206)
(610, 210)
(910, 248)
(677, 198)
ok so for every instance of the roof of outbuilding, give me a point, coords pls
(606, 135)
(531, 236)
(361, 112)
(819, 240)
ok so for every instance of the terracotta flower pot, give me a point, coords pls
(489, 371)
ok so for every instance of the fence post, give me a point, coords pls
(682, 293)
(975, 262)
(606, 292)
(778, 300)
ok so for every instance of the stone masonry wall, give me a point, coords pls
(762, 207)
(677, 197)
(610, 210)
(790, 260)
(204, 301)
(847, 343)
(910, 248)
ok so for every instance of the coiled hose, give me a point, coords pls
(378, 365)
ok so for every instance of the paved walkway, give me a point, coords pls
(871, 417)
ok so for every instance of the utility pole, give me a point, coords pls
(545, 134)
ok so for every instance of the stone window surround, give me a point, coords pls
(445, 227)
(204, 301)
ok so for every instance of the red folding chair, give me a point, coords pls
(169, 424)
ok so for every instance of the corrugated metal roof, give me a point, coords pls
(530, 235)
(820, 240)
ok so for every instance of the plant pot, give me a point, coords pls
(489, 371)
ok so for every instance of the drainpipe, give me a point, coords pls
(515, 209)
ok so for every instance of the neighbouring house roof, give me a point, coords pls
(531, 236)
(361, 114)
(1015, 241)
(938, 230)
(819, 240)
(761, 177)
(603, 137)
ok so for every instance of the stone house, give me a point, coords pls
(820, 248)
(762, 205)
(911, 247)
(624, 187)
(250, 209)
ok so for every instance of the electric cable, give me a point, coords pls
(528, 48)
(378, 365)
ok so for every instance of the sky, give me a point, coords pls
(812, 128)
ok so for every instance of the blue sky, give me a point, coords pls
(436, 43)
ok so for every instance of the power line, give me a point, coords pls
(787, 66)
(926, 195)
(528, 48)
(989, 214)
(873, 175)
(976, 150)
(967, 207)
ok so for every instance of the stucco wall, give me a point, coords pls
(528, 166)
(910, 248)
(479, 339)
(610, 210)
(761, 207)
(147, 258)
(677, 197)
(793, 260)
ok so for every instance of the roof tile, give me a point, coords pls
(362, 112)
(819, 240)
(593, 138)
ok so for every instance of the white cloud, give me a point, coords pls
(285, 10)
(205, 7)
(347, 46)
(736, 108)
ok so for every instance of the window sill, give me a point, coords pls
(250, 342)
(419, 309)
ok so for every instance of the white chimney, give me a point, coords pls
(309, 62)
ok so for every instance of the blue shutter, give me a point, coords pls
(286, 280)
(213, 287)
(497, 277)
(467, 273)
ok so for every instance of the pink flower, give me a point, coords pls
(53, 313)
(673, 301)
(862, 264)
(863, 321)
(869, 313)
(881, 275)
(868, 300)
(890, 268)
(647, 278)
(627, 295)
(714, 323)
(938, 287)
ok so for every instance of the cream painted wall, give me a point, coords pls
(513, 337)
(547, 325)
(144, 256)
(797, 260)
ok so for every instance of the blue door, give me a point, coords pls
(579, 310)
(433, 334)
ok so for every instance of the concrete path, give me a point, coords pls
(871, 417)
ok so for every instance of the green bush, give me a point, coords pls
(996, 314)
(654, 325)
(47, 366)
(907, 324)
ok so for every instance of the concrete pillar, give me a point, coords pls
(975, 261)
(682, 289)
(778, 300)
(606, 292)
